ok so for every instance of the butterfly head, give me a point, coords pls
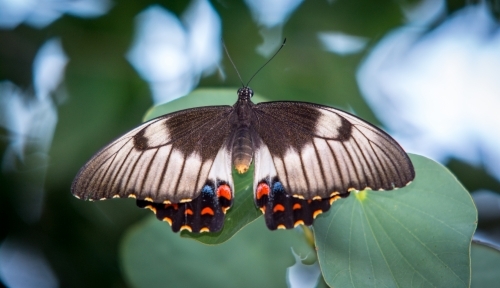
(245, 93)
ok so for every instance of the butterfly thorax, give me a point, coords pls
(242, 148)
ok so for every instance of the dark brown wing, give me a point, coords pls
(319, 151)
(168, 159)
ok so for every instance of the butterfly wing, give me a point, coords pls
(177, 165)
(309, 155)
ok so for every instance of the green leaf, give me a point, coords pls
(485, 263)
(419, 235)
(152, 256)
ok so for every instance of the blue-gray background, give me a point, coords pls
(76, 74)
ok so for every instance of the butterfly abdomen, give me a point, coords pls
(242, 150)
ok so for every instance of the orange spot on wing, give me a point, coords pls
(168, 220)
(188, 212)
(278, 208)
(316, 213)
(150, 207)
(262, 190)
(207, 210)
(224, 191)
(186, 227)
(204, 229)
(297, 223)
(296, 206)
(333, 199)
(281, 226)
(224, 209)
(263, 209)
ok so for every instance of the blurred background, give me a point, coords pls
(75, 74)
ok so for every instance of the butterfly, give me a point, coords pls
(305, 157)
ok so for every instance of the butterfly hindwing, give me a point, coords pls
(171, 160)
(282, 210)
(205, 213)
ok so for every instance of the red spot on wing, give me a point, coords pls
(262, 190)
(207, 210)
(296, 206)
(188, 212)
(278, 208)
(224, 191)
(175, 206)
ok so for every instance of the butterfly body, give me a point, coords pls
(305, 156)
(242, 147)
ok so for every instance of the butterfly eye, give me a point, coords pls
(245, 93)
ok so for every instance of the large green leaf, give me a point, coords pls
(485, 266)
(416, 236)
(153, 256)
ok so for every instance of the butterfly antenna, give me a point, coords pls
(282, 44)
(227, 53)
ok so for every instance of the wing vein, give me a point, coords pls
(144, 179)
(164, 170)
(323, 176)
